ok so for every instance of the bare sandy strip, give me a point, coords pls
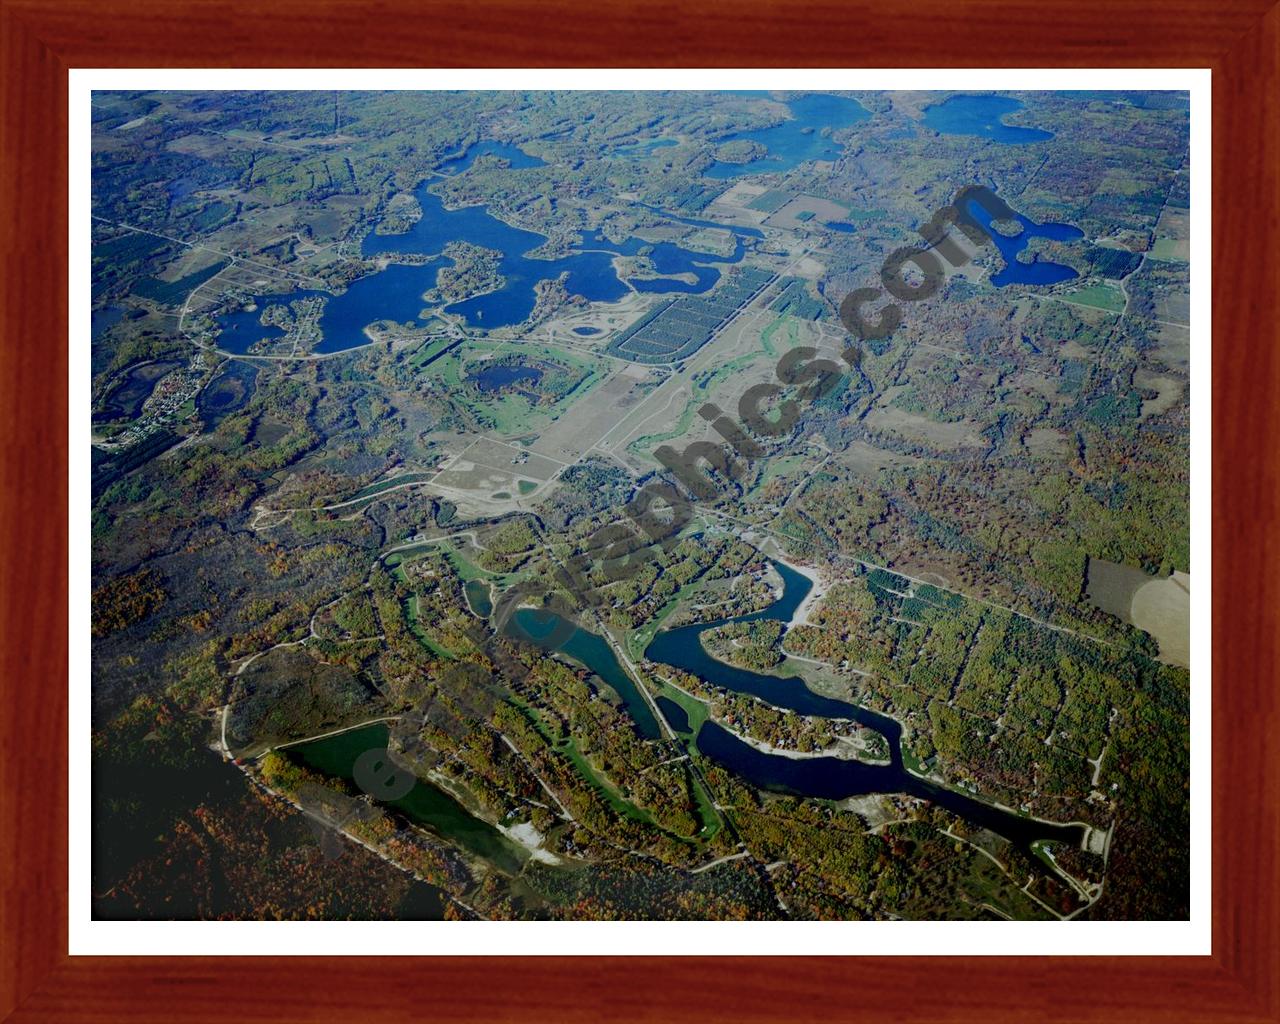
(1162, 608)
(531, 839)
(820, 586)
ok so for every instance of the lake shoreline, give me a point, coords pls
(819, 586)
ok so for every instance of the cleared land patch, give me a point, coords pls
(806, 211)
(1102, 296)
(1158, 606)
(1168, 391)
(961, 434)
(581, 426)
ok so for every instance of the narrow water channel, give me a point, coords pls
(823, 777)
(829, 778)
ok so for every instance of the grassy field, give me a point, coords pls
(513, 414)
(1102, 296)
(465, 568)
(766, 336)
(428, 350)
(697, 711)
(774, 468)
(704, 386)
(712, 822)
(1169, 249)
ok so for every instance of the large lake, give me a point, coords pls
(391, 294)
(1038, 271)
(822, 777)
(395, 293)
(825, 777)
(982, 116)
(797, 140)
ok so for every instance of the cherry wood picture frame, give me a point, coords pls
(41, 39)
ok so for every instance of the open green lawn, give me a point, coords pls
(712, 821)
(703, 385)
(429, 348)
(465, 568)
(766, 337)
(1103, 296)
(1168, 249)
(411, 615)
(603, 786)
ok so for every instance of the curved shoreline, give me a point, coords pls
(818, 588)
(843, 777)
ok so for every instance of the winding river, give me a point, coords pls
(823, 777)
(830, 778)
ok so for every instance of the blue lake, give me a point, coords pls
(514, 155)
(798, 139)
(392, 294)
(241, 329)
(667, 258)
(591, 276)
(1038, 271)
(395, 293)
(967, 114)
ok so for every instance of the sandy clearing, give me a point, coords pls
(531, 839)
(1163, 609)
(820, 586)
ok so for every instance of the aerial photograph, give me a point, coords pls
(640, 505)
